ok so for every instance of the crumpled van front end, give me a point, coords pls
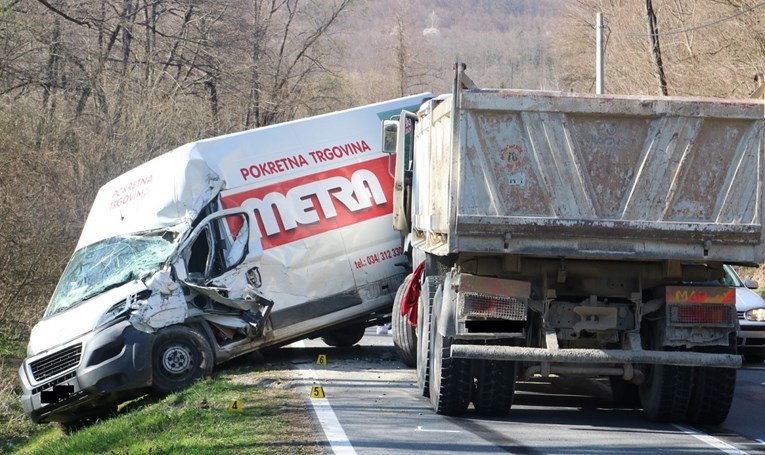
(87, 375)
(93, 347)
(86, 354)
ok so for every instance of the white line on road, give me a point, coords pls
(419, 428)
(333, 431)
(711, 440)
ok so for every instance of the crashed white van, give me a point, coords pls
(215, 249)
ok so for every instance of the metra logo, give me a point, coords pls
(317, 203)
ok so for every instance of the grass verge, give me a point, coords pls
(198, 420)
(15, 428)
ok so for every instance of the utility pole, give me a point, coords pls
(599, 54)
(655, 49)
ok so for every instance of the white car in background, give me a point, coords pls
(751, 316)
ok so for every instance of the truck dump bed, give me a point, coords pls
(596, 176)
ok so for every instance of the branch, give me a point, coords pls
(64, 15)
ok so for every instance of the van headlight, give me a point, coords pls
(118, 312)
(121, 311)
(756, 314)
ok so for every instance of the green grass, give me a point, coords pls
(15, 428)
(196, 420)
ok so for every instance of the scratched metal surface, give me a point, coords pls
(596, 176)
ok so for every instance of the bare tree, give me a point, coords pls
(653, 34)
(708, 48)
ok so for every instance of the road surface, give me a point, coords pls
(371, 406)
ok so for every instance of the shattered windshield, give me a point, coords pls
(107, 264)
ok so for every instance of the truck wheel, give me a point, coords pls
(180, 357)
(712, 392)
(424, 311)
(404, 335)
(666, 391)
(494, 387)
(624, 393)
(451, 380)
(754, 358)
(343, 338)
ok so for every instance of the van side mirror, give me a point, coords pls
(751, 284)
(389, 134)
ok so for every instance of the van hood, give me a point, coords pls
(79, 320)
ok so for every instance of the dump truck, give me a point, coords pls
(216, 249)
(563, 234)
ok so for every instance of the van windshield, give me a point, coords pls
(108, 264)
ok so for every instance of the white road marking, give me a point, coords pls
(419, 428)
(333, 431)
(711, 440)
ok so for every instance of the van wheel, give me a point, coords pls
(404, 335)
(180, 357)
(343, 338)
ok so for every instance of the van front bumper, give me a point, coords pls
(87, 376)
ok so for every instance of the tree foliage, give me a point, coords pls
(92, 88)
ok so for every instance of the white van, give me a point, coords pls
(215, 249)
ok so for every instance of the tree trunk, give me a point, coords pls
(655, 48)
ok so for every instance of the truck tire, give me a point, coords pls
(451, 380)
(712, 392)
(424, 311)
(754, 358)
(345, 337)
(665, 394)
(624, 393)
(180, 357)
(404, 335)
(423, 346)
(494, 387)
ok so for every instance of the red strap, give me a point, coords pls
(412, 295)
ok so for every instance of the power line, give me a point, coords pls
(690, 29)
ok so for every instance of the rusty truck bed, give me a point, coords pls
(597, 176)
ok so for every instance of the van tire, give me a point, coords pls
(180, 357)
(345, 337)
(404, 335)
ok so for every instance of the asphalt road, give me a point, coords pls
(371, 406)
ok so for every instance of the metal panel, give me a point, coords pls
(670, 178)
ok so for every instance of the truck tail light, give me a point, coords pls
(709, 306)
(716, 315)
(474, 305)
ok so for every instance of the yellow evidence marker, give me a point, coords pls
(317, 391)
(321, 360)
(235, 406)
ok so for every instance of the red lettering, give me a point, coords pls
(316, 203)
